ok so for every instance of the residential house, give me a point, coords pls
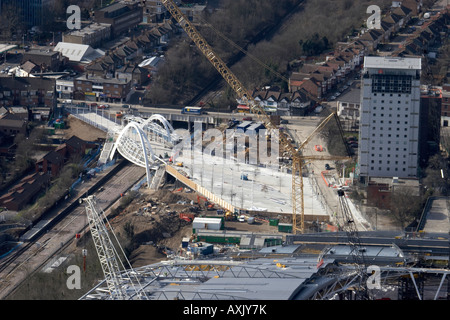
(25, 191)
(277, 103)
(30, 67)
(94, 88)
(51, 163)
(414, 5)
(300, 103)
(371, 39)
(65, 88)
(405, 14)
(349, 106)
(75, 146)
(28, 91)
(138, 75)
(12, 124)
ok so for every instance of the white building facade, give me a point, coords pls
(389, 119)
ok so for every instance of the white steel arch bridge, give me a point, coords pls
(141, 141)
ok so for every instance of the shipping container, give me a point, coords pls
(285, 227)
(219, 239)
(273, 222)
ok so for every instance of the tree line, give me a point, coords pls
(305, 28)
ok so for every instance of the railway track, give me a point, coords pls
(34, 254)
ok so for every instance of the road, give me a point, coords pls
(50, 243)
(431, 243)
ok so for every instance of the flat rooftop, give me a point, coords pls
(392, 63)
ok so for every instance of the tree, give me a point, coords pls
(437, 174)
(405, 206)
(315, 45)
(11, 22)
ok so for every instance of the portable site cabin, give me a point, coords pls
(207, 223)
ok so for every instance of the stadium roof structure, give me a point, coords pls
(258, 279)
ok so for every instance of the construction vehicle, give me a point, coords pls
(298, 160)
(230, 216)
(208, 205)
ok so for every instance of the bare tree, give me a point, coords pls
(11, 22)
(405, 206)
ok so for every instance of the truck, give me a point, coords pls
(192, 110)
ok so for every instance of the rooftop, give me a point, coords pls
(392, 63)
(78, 52)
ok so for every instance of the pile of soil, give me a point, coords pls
(157, 227)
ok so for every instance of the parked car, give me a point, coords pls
(327, 166)
(247, 119)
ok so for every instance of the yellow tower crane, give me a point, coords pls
(244, 95)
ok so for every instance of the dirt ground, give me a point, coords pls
(82, 130)
(154, 216)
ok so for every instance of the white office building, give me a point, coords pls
(389, 119)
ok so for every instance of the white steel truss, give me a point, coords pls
(119, 285)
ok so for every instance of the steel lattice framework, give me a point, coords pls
(117, 282)
(133, 141)
(183, 279)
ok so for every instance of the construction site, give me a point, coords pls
(207, 226)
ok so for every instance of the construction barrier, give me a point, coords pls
(204, 192)
(324, 179)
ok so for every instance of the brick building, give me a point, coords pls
(95, 88)
(25, 191)
(121, 17)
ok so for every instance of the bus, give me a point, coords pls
(192, 110)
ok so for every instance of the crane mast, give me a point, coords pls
(107, 254)
(245, 96)
(357, 250)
